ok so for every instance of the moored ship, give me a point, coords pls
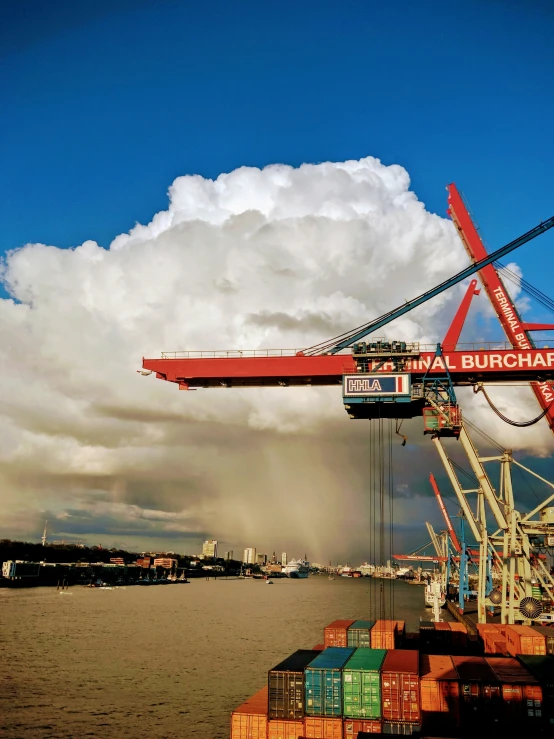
(297, 568)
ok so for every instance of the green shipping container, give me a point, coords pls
(359, 634)
(361, 683)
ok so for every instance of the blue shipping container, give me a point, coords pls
(324, 682)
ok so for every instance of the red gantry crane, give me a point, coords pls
(395, 380)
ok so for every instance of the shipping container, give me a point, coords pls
(542, 668)
(400, 686)
(286, 685)
(439, 689)
(395, 728)
(495, 643)
(317, 727)
(548, 633)
(521, 692)
(353, 726)
(482, 628)
(361, 683)
(279, 729)
(318, 647)
(480, 694)
(524, 640)
(459, 638)
(249, 721)
(323, 682)
(359, 634)
(383, 634)
(335, 635)
(400, 634)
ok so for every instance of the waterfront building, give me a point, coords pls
(209, 548)
(166, 562)
(284, 559)
(261, 559)
(229, 555)
(249, 556)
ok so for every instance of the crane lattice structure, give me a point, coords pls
(397, 380)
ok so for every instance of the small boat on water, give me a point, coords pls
(269, 582)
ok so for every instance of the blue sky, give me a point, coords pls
(108, 101)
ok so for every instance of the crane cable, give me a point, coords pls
(519, 424)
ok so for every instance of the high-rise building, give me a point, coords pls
(229, 555)
(261, 559)
(249, 556)
(284, 558)
(209, 548)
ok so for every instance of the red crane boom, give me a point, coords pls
(516, 330)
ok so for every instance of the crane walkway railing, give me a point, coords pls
(485, 346)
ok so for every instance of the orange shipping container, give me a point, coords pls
(318, 648)
(495, 643)
(249, 721)
(524, 640)
(439, 686)
(335, 634)
(353, 726)
(277, 729)
(481, 628)
(382, 634)
(316, 727)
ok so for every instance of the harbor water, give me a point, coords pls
(168, 661)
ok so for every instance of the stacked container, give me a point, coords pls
(400, 688)
(278, 729)
(361, 684)
(521, 692)
(480, 696)
(383, 634)
(353, 726)
(335, 635)
(249, 721)
(426, 635)
(548, 633)
(524, 640)
(359, 634)
(324, 682)
(542, 667)
(316, 727)
(459, 638)
(286, 685)
(440, 692)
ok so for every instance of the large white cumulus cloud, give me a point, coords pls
(270, 258)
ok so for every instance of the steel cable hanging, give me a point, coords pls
(525, 286)
(519, 424)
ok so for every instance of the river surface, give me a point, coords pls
(168, 661)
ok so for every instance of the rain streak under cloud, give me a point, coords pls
(271, 258)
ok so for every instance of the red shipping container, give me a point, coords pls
(277, 729)
(459, 636)
(334, 635)
(316, 727)
(442, 626)
(400, 686)
(480, 694)
(439, 687)
(352, 726)
(382, 634)
(249, 721)
(521, 692)
(524, 640)
(318, 648)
